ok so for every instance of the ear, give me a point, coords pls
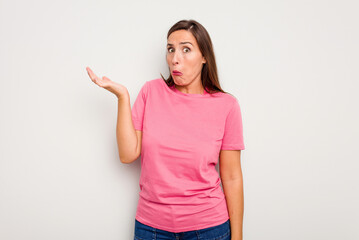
(204, 60)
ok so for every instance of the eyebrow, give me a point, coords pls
(169, 44)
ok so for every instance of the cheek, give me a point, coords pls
(194, 62)
(190, 60)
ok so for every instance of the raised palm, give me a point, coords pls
(108, 84)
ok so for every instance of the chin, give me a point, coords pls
(178, 81)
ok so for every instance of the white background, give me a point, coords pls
(293, 66)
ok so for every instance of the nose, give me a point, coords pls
(175, 58)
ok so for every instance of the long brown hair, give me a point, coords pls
(209, 76)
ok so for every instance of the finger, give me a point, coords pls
(91, 74)
(89, 71)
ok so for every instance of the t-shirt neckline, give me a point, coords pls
(175, 91)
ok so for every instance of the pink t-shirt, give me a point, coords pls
(182, 135)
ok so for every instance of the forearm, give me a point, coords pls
(125, 131)
(233, 190)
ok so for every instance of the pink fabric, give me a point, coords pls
(182, 135)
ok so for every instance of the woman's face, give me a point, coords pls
(183, 55)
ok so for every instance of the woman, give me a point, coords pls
(181, 127)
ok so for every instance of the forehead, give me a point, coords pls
(181, 36)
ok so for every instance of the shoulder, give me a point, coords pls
(226, 98)
(150, 84)
(154, 82)
(229, 103)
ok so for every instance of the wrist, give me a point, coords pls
(122, 96)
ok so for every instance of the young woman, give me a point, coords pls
(182, 127)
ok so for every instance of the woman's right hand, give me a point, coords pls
(118, 89)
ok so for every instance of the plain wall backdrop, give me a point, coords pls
(293, 66)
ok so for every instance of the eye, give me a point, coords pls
(184, 49)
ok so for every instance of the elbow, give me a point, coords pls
(127, 160)
(124, 160)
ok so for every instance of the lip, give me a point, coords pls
(177, 73)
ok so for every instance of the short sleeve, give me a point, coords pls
(233, 131)
(138, 108)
